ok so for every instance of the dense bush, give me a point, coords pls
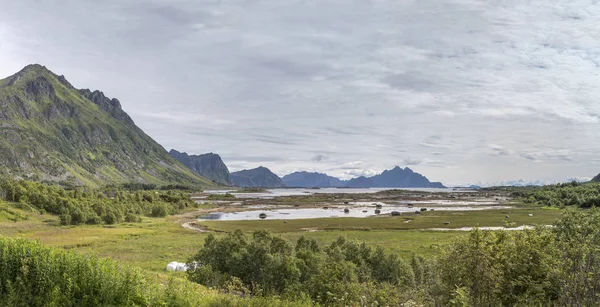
(584, 195)
(35, 275)
(109, 205)
(546, 266)
(268, 265)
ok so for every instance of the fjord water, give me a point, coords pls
(272, 193)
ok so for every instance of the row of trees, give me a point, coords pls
(583, 195)
(545, 266)
(100, 206)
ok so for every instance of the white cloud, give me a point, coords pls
(386, 82)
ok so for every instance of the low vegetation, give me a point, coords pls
(95, 206)
(583, 195)
(377, 261)
(545, 266)
(32, 274)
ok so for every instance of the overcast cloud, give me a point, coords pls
(462, 91)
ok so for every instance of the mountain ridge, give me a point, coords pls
(256, 177)
(209, 165)
(51, 131)
(305, 179)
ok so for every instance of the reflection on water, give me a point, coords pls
(311, 213)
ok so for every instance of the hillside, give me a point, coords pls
(311, 180)
(51, 131)
(394, 178)
(257, 177)
(208, 165)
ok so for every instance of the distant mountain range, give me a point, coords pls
(51, 131)
(212, 166)
(257, 177)
(311, 180)
(394, 178)
(207, 165)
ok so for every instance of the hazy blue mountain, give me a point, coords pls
(209, 165)
(257, 177)
(394, 178)
(311, 180)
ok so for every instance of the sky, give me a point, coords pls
(462, 91)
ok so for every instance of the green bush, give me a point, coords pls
(32, 274)
(265, 265)
(78, 206)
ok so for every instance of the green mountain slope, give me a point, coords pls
(51, 131)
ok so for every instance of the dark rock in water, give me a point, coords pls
(325, 208)
(377, 211)
(259, 177)
(209, 165)
(378, 206)
(396, 213)
(417, 212)
(262, 215)
(410, 205)
(346, 210)
(364, 211)
(423, 209)
(345, 203)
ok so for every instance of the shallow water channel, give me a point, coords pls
(335, 211)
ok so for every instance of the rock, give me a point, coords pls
(262, 215)
(423, 209)
(446, 223)
(530, 214)
(396, 213)
(209, 165)
(377, 211)
(507, 216)
(346, 210)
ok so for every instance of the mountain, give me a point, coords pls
(207, 165)
(394, 178)
(311, 180)
(596, 179)
(51, 131)
(257, 177)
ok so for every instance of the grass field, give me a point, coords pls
(429, 219)
(154, 243)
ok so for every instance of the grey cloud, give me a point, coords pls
(376, 82)
(319, 158)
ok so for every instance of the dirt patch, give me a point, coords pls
(195, 227)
